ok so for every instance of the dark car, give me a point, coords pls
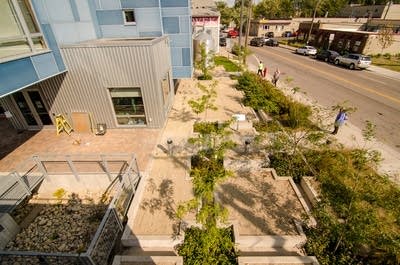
(257, 41)
(222, 41)
(327, 55)
(270, 34)
(272, 42)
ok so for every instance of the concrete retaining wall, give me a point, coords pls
(309, 190)
(93, 183)
(288, 260)
(9, 229)
(140, 260)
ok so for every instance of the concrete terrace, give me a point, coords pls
(259, 205)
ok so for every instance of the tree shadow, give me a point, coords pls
(163, 199)
(182, 115)
(258, 202)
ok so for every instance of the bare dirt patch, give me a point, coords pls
(262, 205)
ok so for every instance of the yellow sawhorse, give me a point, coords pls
(63, 125)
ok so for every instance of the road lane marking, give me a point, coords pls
(371, 90)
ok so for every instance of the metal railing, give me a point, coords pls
(124, 180)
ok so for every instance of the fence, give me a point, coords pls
(124, 177)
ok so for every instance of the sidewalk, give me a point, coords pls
(350, 135)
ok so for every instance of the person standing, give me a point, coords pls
(276, 76)
(260, 69)
(265, 71)
(341, 117)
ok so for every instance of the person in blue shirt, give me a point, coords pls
(339, 121)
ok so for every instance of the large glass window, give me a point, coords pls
(27, 14)
(128, 106)
(19, 33)
(9, 25)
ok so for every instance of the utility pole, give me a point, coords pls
(312, 21)
(241, 24)
(247, 27)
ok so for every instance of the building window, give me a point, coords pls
(129, 17)
(266, 26)
(128, 106)
(19, 32)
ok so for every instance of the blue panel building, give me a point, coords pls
(37, 62)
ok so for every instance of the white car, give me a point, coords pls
(307, 50)
(354, 61)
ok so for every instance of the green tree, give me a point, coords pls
(385, 36)
(206, 101)
(205, 63)
(208, 244)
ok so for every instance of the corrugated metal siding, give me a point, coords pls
(93, 69)
(16, 119)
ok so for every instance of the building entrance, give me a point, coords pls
(32, 108)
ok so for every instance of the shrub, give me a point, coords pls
(387, 56)
(262, 95)
(228, 65)
(215, 246)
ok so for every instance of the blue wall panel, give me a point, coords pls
(148, 19)
(60, 11)
(119, 31)
(45, 65)
(110, 17)
(182, 72)
(139, 3)
(150, 34)
(109, 4)
(92, 8)
(186, 57)
(185, 24)
(181, 40)
(16, 74)
(40, 10)
(51, 41)
(171, 25)
(175, 3)
(176, 56)
(172, 12)
(74, 10)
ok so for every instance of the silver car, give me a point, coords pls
(307, 50)
(354, 61)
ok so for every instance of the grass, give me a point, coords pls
(228, 65)
(391, 62)
(293, 43)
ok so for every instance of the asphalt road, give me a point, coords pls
(377, 98)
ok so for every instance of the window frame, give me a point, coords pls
(129, 23)
(130, 117)
(26, 36)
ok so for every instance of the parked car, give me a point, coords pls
(272, 42)
(327, 55)
(233, 33)
(257, 41)
(287, 34)
(306, 50)
(354, 61)
(222, 41)
(269, 34)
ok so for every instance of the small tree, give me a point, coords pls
(385, 36)
(208, 244)
(206, 101)
(206, 62)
